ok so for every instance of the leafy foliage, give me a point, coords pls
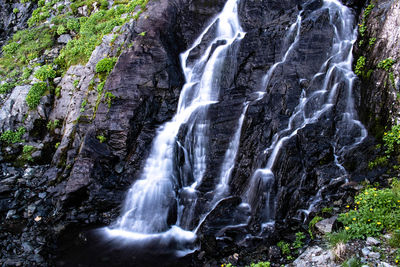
(359, 70)
(106, 65)
(391, 139)
(386, 64)
(5, 88)
(311, 225)
(101, 138)
(44, 73)
(35, 94)
(12, 137)
(374, 211)
(27, 153)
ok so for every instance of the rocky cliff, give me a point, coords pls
(92, 130)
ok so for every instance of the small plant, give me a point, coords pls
(101, 138)
(386, 64)
(44, 73)
(100, 87)
(15, 10)
(352, 262)
(338, 237)
(142, 33)
(83, 105)
(372, 41)
(35, 94)
(57, 145)
(52, 125)
(311, 225)
(12, 137)
(298, 242)
(359, 70)
(73, 25)
(391, 139)
(105, 65)
(261, 264)
(57, 92)
(76, 82)
(109, 97)
(61, 30)
(5, 88)
(379, 161)
(284, 246)
(27, 153)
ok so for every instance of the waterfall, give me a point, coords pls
(156, 193)
(163, 200)
(337, 69)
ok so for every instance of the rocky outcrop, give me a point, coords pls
(379, 87)
(13, 17)
(101, 145)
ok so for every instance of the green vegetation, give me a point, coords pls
(299, 241)
(52, 125)
(27, 153)
(108, 96)
(35, 94)
(362, 26)
(352, 262)
(386, 64)
(379, 161)
(5, 88)
(391, 139)
(83, 105)
(284, 246)
(105, 65)
(76, 82)
(374, 211)
(45, 73)
(335, 238)
(359, 70)
(261, 264)
(372, 41)
(101, 138)
(15, 10)
(311, 225)
(91, 30)
(142, 33)
(12, 137)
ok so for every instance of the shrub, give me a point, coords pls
(391, 139)
(73, 24)
(12, 137)
(27, 153)
(5, 88)
(35, 94)
(284, 246)
(374, 211)
(106, 65)
(386, 64)
(44, 73)
(61, 30)
(360, 66)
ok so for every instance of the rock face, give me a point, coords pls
(379, 87)
(87, 178)
(13, 17)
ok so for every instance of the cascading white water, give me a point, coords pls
(337, 69)
(151, 197)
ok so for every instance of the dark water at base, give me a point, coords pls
(93, 248)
